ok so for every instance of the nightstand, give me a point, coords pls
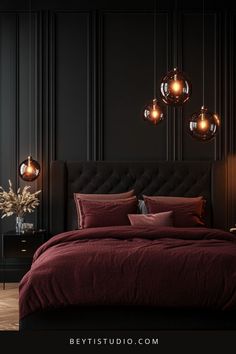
(20, 247)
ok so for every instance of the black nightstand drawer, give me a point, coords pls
(21, 246)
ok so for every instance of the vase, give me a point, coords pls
(19, 224)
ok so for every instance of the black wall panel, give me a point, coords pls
(128, 86)
(74, 77)
(72, 85)
(192, 33)
(8, 103)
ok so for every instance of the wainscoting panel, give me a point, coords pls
(72, 85)
(192, 48)
(9, 144)
(128, 86)
(26, 86)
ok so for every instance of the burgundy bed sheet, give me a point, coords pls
(127, 265)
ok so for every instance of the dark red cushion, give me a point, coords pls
(106, 213)
(188, 212)
(159, 219)
(110, 196)
(99, 197)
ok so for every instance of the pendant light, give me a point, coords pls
(175, 87)
(203, 125)
(152, 112)
(29, 169)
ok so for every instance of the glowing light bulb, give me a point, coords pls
(153, 112)
(29, 169)
(203, 124)
(176, 86)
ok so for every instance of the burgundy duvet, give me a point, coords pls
(127, 265)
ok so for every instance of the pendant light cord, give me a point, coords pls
(203, 52)
(30, 86)
(155, 50)
(176, 35)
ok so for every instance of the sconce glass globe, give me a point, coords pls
(203, 125)
(153, 113)
(175, 88)
(29, 169)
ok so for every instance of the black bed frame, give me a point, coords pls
(150, 178)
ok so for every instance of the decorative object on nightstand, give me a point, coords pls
(233, 230)
(18, 203)
(27, 227)
(21, 247)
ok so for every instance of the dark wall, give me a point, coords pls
(74, 77)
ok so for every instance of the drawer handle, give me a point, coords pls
(23, 250)
(23, 240)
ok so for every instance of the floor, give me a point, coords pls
(9, 314)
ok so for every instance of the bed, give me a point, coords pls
(133, 277)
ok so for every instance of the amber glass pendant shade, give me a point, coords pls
(153, 113)
(175, 88)
(204, 125)
(29, 169)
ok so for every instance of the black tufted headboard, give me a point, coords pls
(150, 178)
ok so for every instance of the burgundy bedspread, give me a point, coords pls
(127, 265)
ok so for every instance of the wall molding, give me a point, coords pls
(46, 120)
(17, 128)
(100, 87)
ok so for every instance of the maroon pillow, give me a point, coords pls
(104, 196)
(188, 212)
(106, 213)
(99, 197)
(159, 219)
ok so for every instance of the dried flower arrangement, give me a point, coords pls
(18, 203)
